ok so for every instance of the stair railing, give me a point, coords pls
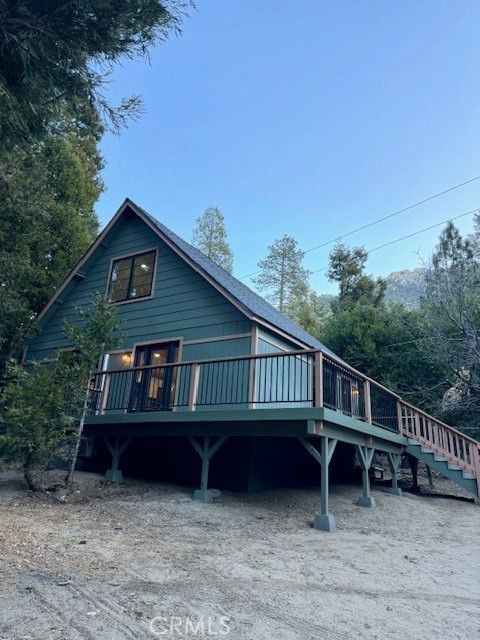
(443, 440)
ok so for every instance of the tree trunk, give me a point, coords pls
(28, 473)
(429, 474)
(78, 438)
(413, 462)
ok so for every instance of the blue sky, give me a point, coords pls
(308, 118)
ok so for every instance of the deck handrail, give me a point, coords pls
(450, 444)
(439, 422)
(276, 354)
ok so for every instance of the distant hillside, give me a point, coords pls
(406, 287)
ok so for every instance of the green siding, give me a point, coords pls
(279, 344)
(285, 382)
(184, 303)
(220, 384)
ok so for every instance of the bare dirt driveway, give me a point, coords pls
(122, 562)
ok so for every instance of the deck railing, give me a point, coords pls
(306, 377)
(456, 447)
(303, 378)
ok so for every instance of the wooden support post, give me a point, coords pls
(252, 368)
(318, 379)
(104, 395)
(368, 401)
(116, 449)
(252, 375)
(394, 460)
(206, 453)
(205, 465)
(475, 457)
(193, 388)
(401, 427)
(324, 521)
(365, 455)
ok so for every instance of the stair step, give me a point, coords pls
(426, 450)
(448, 469)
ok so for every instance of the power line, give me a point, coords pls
(387, 217)
(427, 337)
(410, 235)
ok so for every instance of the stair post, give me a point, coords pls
(476, 470)
(365, 455)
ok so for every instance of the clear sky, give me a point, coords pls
(308, 118)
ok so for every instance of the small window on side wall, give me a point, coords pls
(131, 278)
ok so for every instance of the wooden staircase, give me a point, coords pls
(441, 447)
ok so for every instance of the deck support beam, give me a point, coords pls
(117, 449)
(394, 460)
(365, 455)
(324, 521)
(206, 453)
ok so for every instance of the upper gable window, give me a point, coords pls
(131, 278)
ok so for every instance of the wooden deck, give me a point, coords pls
(305, 394)
(295, 422)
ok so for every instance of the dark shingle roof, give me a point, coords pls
(246, 297)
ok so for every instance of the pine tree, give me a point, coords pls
(210, 236)
(56, 57)
(451, 311)
(47, 221)
(347, 268)
(43, 407)
(377, 339)
(308, 310)
(97, 334)
(282, 274)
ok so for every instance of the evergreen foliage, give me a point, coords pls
(56, 56)
(282, 275)
(308, 309)
(210, 236)
(47, 221)
(347, 269)
(35, 418)
(451, 309)
(379, 340)
(43, 406)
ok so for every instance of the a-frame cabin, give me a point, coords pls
(208, 368)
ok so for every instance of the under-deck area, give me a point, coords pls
(256, 422)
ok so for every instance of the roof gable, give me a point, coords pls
(246, 300)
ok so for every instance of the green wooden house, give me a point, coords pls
(209, 368)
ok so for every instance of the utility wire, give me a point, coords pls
(387, 217)
(410, 235)
(427, 337)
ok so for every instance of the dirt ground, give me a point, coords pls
(146, 561)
